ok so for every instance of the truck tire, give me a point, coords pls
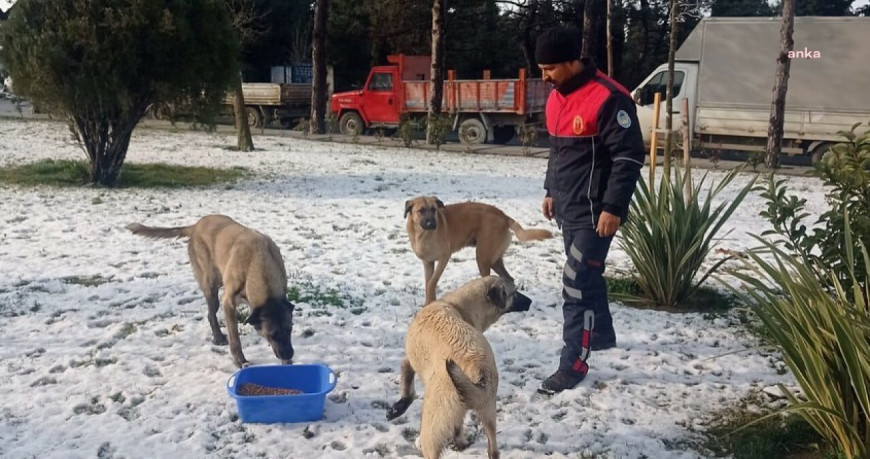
(503, 134)
(161, 111)
(472, 131)
(254, 117)
(818, 152)
(351, 124)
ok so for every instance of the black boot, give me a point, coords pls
(559, 381)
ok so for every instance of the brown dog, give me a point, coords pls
(437, 231)
(446, 347)
(249, 267)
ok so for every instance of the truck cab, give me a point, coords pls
(380, 102)
(685, 86)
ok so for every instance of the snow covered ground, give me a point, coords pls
(106, 351)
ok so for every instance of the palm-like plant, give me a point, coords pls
(670, 233)
(823, 334)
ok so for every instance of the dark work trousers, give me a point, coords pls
(585, 294)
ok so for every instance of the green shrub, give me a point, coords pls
(438, 126)
(409, 129)
(845, 171)
(669, 234)
(102, 65)
(823, 331)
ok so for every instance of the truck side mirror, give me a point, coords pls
(636, 96)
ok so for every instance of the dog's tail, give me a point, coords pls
(159, 233)
(533, 234)
(468, 390)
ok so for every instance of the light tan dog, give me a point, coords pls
(437, 231)
(446, 347)
(249, 267)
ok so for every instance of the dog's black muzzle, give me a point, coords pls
(428, 224)
(284, 352)
(518, 302)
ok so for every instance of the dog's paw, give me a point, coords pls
(220, 340)
(398, 408)
(245, 364)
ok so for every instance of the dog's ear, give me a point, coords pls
(438, 201)
(255, 317)
(408, 207)
(497, 295)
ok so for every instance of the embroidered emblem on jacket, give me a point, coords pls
(577, 125)
(623, 119)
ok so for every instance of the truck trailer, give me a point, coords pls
(726, 69)
(482, 110)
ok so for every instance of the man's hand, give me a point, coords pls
(608, 224)
(547, 208)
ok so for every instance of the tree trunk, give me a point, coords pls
(780, 87)
(528, 42)
(437, 76)
(609, 38)
(106, 142)
(244, 141)
(319, 91)
(588, 46)
(669, 101)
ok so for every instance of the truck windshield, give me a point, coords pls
(381, 82)
(659, 83)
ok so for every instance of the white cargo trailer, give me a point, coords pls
(726, 69)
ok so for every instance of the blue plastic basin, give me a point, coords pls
(314, 380)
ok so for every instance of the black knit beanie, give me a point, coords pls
(556, 45)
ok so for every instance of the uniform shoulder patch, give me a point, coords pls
(623, 119)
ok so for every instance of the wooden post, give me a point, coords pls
(487, 74)
(653, 139)
(687, 148)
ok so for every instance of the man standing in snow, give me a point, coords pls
(596, 153)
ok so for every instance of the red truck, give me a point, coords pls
(485, 110)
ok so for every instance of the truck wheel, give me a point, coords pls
(254, 117)
(472, 132)
(503, 134)
(818, 152)
(351, 124)
(161, 111)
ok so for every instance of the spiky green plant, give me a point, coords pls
(670, 233)
(823, 334)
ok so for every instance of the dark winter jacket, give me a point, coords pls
(596, 150)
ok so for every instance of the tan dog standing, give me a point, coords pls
(446, 347)
(249, 266)
(437, 231)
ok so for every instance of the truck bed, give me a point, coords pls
(274, 94)
(487, 96)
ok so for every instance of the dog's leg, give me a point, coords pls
(432, 282)
(440, 417)
(499, 269)
(213, 305)
(487, 416)
(407, 391)
(484, 264)
(229, 306)
(209, 282)
(428, 270)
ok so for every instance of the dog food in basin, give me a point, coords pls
(281, 393)
(250, 389)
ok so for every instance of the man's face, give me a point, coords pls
(557, 74)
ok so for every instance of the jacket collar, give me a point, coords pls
(578, 80)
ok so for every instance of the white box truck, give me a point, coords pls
(726, 69)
